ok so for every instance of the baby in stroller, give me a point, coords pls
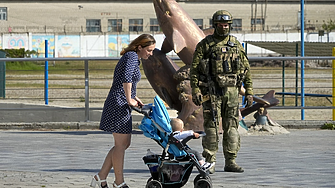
(179, 133)
(174, 166)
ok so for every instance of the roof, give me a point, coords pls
(291, 48)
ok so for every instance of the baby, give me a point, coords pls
(179, 133)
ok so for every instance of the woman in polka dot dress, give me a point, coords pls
(116, 116)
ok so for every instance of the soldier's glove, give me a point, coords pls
(197, 98)
(249, 100)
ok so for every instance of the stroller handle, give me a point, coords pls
(201, 133)
(145, 110)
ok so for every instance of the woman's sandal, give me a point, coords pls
(122, 185)
(98, 182)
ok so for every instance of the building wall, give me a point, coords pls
(63, 24)
(110, 45)
(63, 17)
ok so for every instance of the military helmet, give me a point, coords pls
(222, 16)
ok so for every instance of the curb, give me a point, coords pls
(49, 125)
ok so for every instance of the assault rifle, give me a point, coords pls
(211, 91)
(241, 77)
(212, 96)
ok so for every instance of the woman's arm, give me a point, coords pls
(127, 91)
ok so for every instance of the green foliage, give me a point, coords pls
(329, 126)
(19, 53)
(329, 26)
(82, 99)
(23, 65)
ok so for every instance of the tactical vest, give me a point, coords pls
(222, 62)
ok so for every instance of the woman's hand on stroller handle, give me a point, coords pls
(137, 109)
(143, 109)
(139, 102)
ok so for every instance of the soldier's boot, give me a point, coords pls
(231, 166)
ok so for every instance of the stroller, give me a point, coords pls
(174, 166)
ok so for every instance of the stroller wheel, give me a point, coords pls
(202, 182)
(149, 179)
(154, 184)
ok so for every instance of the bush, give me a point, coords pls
(21, 65)
(19, 53)
(330, 126)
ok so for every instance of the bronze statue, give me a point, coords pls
(182, 34)
(169, 81)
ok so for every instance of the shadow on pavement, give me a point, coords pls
(70, 132)
(97, 170)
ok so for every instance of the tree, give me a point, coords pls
(328, 27)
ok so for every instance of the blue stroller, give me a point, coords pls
(174, 166)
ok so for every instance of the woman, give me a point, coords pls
(116, 115)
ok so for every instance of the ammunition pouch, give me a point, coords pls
(227, 80)
(203, 66)
(217, 67)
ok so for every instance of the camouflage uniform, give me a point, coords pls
(219, 67)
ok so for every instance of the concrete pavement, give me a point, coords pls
(30, 116)
(302, 158)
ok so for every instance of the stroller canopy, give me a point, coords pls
(157, 126)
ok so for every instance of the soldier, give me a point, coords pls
(219, 68)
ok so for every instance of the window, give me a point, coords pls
(154, 25)
(115, 25)
(136, 25)
(93, 25)
(3, 13)
(237, 25)
(199, 23)
(257, 21)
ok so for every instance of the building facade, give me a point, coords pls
(103, 28)
(135, 16)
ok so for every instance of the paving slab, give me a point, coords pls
(302, 158)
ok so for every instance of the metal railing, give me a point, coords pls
(87, 70)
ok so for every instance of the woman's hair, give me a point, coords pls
(143, 40)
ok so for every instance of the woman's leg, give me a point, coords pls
(107, 166)
(116, 156)
(122, 142)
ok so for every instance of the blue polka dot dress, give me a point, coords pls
(116, 114)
